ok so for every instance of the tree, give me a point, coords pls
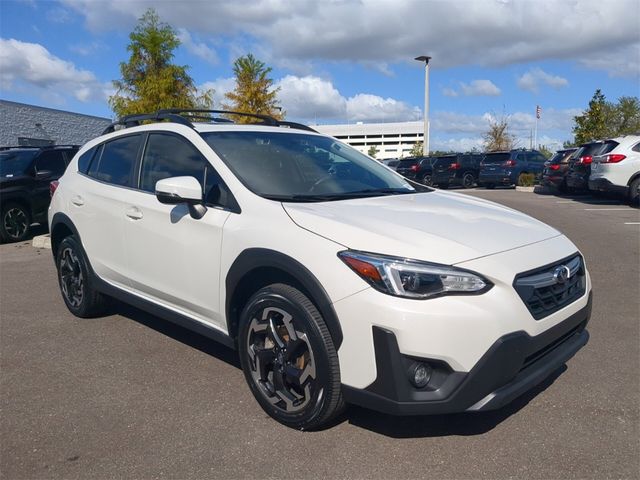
(593, 123)
(254, 92)
(372, 151)
(416, 150)
(150, 81)
(603, 119)
(498, 136)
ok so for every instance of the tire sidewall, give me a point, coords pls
(71, 242)
(5, 209)
(466, 176)
(302, 321)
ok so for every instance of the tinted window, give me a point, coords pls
(117, 161)
(51, 161)
(537, 158)
(85, 160)
(636, 147)
(170, 156)
(496, 157)
(15, 162)
(520, 157)
(607, 147)
(407, 163)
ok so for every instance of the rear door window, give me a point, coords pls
(117, 162)
(51, 161)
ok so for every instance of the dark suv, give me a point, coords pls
(416, 168)
(580, 163)
(457, 169)
(555, 169)
(25, 175)
(505, 168)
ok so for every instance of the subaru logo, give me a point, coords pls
(561, 274)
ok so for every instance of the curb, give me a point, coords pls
(42, 241)
(525, 189)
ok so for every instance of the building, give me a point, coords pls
(391, 140)
(29, 125)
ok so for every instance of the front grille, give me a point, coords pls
(543, 291)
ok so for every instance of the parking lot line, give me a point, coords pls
(602, 209)
(632, 223)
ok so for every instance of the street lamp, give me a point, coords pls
(425, 143)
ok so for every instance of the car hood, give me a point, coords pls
(437, 226)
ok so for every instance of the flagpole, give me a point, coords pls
(535, 136)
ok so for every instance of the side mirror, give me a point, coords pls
(44, 174)
(177, 190)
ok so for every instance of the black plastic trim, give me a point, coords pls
(502, 370)
(254, 258)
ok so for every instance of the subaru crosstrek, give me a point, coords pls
(337, 280)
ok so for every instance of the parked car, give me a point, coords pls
(391, 163)
(337, 282)
(419, 169)
(577, 178)
(505, 168)
(460, 169)
(556, 168)
(618, 170)
(25, 175)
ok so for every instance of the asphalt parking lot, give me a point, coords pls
(129, 396)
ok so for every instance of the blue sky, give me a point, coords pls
(347, 61)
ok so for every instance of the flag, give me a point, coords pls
(538, 110)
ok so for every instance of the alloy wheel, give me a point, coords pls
(71, 279)
(281, 360)
(15, 223)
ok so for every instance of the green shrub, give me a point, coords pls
(527, 180)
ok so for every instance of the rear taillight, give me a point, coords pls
(454, 166)
(52, 187)
(554, 166)
(414, 168)
(586, 160)
(509, 163)
(612, 158)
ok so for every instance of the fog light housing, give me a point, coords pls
(419, 374)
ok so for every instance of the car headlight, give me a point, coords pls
(413, 279)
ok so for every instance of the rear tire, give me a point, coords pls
(634, 193)
(468, 180)
(426, 180)
(288, 358)
(15, 222)
(76, 285)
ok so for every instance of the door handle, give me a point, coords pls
(77, 200)
(134, 213)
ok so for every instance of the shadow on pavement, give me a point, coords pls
(178, 333)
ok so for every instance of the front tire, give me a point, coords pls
(78, 293)
(15, 222)
(288, 358)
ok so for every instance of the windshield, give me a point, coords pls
(15, 162)
(303, 167)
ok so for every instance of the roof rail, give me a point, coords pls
(185, 117)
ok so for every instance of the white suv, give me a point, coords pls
(336, 279)
(618, 170)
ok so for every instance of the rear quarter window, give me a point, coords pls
(85, 159)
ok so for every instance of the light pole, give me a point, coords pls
(425, 143)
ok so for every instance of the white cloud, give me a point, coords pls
(219, 86)
(475, 88)
(309, 98)
(488, 33)
(199, 49)
(535, 77)
(24, 64)
(623, 62)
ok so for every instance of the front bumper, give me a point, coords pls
(515, 363)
